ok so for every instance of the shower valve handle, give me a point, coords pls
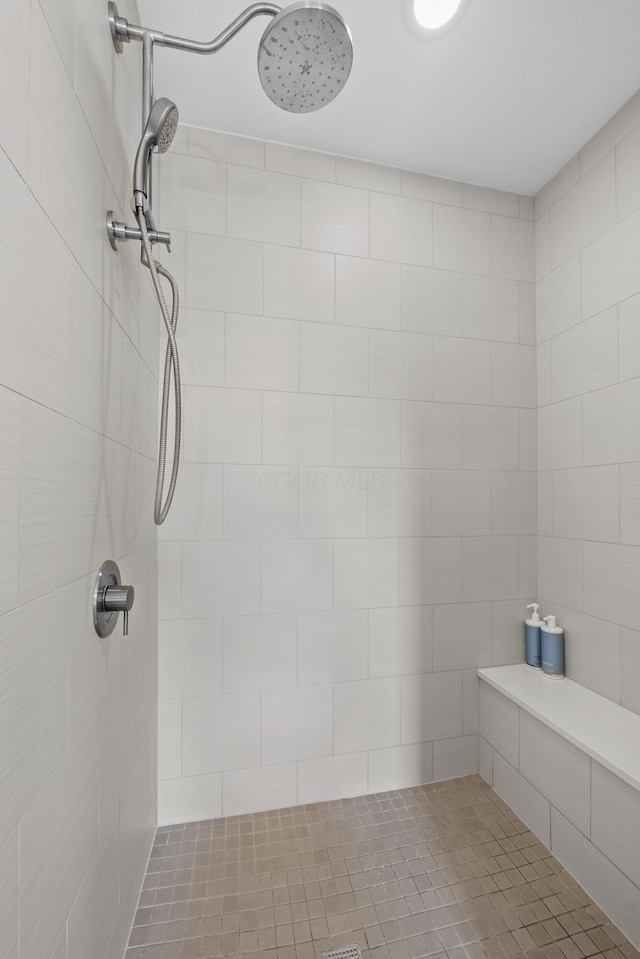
(110, 597)
(119, 599)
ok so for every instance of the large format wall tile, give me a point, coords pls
(531, 806)
(78, 379)
(355, 519)
(557, 769)
(615, 824)
(606, 883)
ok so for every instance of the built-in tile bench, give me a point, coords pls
(567, 761)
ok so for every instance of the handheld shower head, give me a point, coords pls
(305, 56)
(159, 132)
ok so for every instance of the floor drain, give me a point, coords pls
(349, 952)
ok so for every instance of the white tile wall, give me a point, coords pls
(461, 502)
(296, 724)
(431, 435)
(608, 424)
(189, 658)
(586, 815)
(222, 425)
(610, 572)
(512, 248)
(335, 218)
(265, 787)
(263, 206)
(490, 308)
(220, 579)
(9, 925)
(490, 438)
(224, 274)
(333, 502)
(610, 270)
(593, 652)
(297, 428)
(194, 195)
(296, 575)
(357, 499)
(368, 293)
(558, 300)
(259, 652)
(365, 573)
(607, 884)
(462, 240)
(430, 570)
(561, 569)
(461, 371)
(367, 432)
(333, 646)
(584, 212)
(169, 739)
(401, 229)
(628, 338)
(366, 715)
(75, 440)
(14, 131)
(630, 669)
(615, 822)
(203, 751)
(400, 365)
(400, 641)
(461, 635)
(586, 503)
(431, 301)
(190, 798)
(259, 503)
(285, 159)
(455, 757)
(333, 359)
(431, 707)
(299, 284)
(399, 502)
(513, 375)
(433, 188)
(557, 769)
(585, 358)
(560, 435)
(500, 724)
(533, 808)
(334, 777)
(262, 353)
(399, 767)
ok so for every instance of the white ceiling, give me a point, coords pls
(503, 100)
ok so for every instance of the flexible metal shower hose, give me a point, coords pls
(171, 362)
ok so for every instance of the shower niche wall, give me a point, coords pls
(354, 530)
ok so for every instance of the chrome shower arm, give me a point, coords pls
(123, 31)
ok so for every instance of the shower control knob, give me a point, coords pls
(119, 599)
(110, 597)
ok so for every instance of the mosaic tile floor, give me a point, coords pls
(444, 870)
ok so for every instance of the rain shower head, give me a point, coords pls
(305, 56)
(159, 132)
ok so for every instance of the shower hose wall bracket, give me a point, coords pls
(119, 233)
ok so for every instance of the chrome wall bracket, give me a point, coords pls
(119, 27)
(110, 597)
(119, 233)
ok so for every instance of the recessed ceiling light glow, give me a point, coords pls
(433, 14)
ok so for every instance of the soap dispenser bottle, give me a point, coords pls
(532, 629)
(552, 648)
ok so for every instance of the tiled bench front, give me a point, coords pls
(567, 761)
